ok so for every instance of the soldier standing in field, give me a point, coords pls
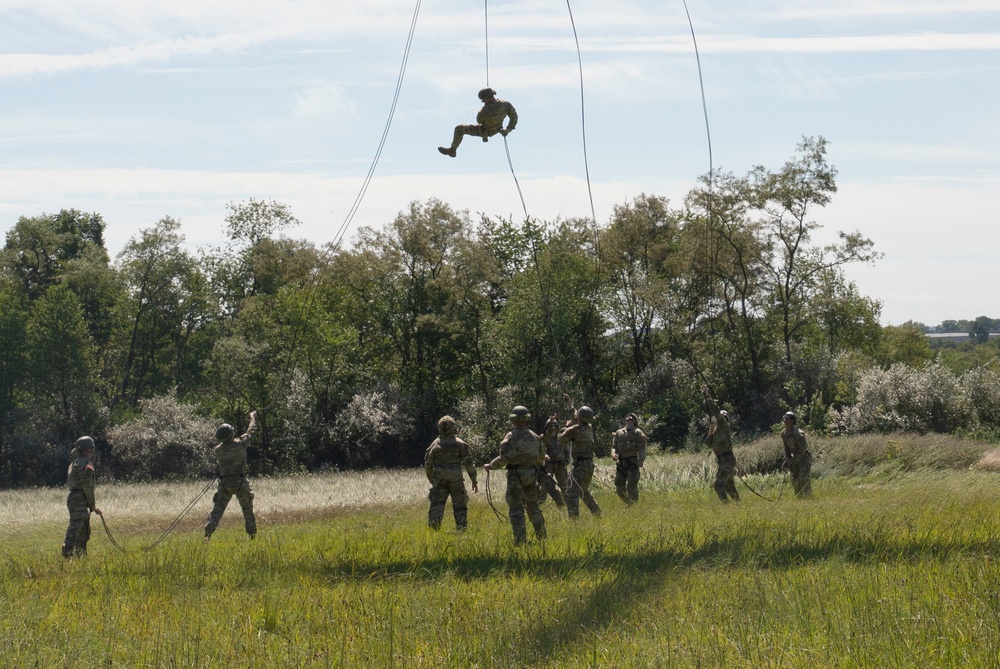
(489, 121)
(578, 439)
(443, 464)
(231, 458)
(628, 450)
(721, 440)
(80, 500)
(798, 459)
(555, 484)
(521, 452)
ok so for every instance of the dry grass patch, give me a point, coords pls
(151, 506)
(990, 462)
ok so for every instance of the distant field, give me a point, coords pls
(893, 565)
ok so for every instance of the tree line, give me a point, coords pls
(352, 354)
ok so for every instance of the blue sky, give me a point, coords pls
(139, 110)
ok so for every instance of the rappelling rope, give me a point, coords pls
(489, 498)
(108, 532)
(177, 520)
(711, 169)
(166, 532)
(328, 255)
(385, 132)
(583, 117)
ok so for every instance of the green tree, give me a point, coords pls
(980, 330)
(847, 320)
(166, 307)
(904, 344)
(61, 357)
(13, 371)
(37, 248)
(417, 308)
(786, 199)
(635, 253)
(254, 262)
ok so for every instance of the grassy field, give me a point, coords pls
(892, 563)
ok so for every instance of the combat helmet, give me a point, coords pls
(520, 415)
(446, 426)
(82, 444)
(790, 414)
(585, 414)
(486, 92)
(224, 432)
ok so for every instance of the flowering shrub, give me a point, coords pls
(373, 426)
(167, 440)
(905, 399)
(983, 388)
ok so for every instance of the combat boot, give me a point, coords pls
(447, 151)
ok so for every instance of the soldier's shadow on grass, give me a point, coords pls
(634, 573)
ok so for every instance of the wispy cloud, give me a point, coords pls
(845, 9)
(732, 44)
(26, 64)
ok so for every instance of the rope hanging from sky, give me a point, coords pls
(711, 167)
(328, 256)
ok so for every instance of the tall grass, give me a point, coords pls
(873, 571)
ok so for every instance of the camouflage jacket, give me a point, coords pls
(80, 476)
(794, 443)
(578, 440)
(520, 448)
(445, 458)
(553, 449)
(231, 455)
(491, 116)
(628, 443)
(720, 437)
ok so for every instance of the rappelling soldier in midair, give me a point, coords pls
(489, 121)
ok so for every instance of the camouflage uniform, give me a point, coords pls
(799, 460)
(579, 442)
(721, 440)
(80, 501)
(443, 464)
(521, 452)
(555, 464)
(231, 456)
(629, 444)
(489, 121)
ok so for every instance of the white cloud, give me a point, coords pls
(846, 9)
(325, 100)
(130, 199)
(939, 237)
(21, 65)
(736, 44)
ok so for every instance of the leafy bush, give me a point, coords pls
(905, 399)
(167, 441)
(983, 388)
(375, 427)
(664, 396)
(483, 427)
